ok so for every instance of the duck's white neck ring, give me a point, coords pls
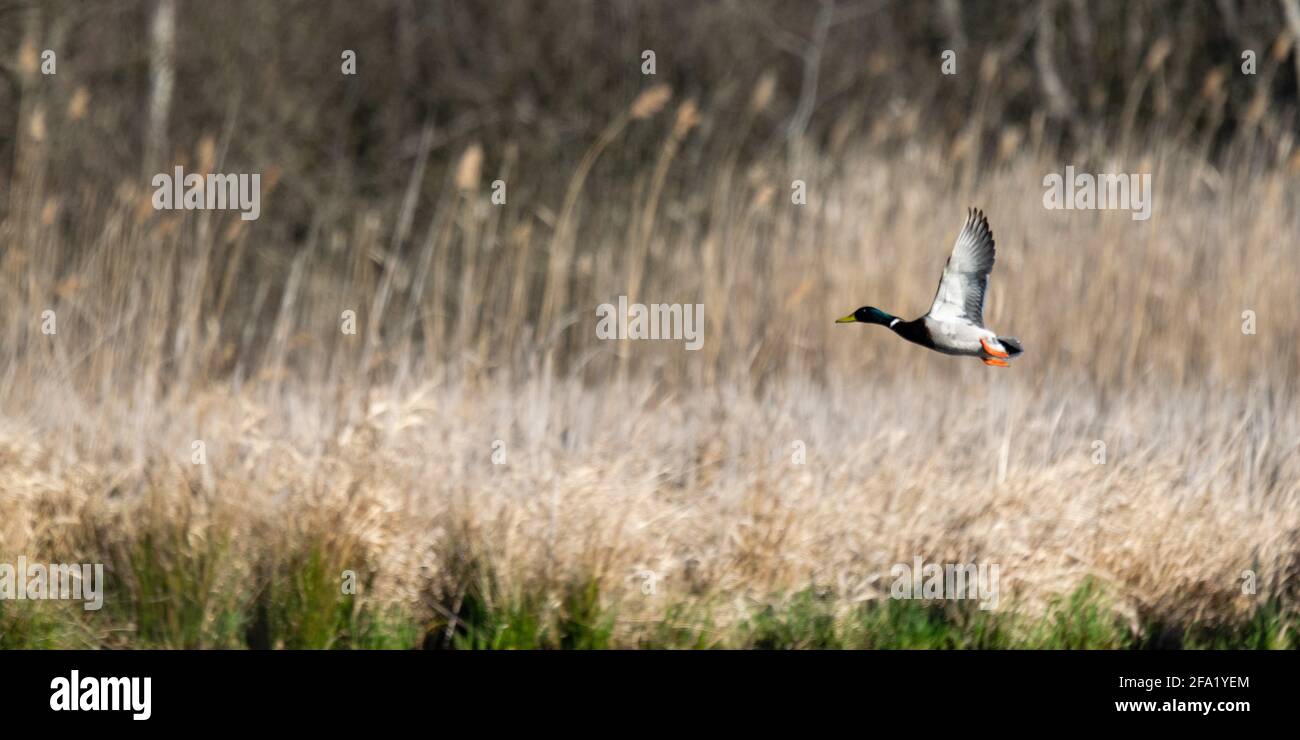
(894, 321)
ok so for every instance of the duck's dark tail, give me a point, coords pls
(1012, 345)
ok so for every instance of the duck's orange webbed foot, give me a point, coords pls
(996, 363)
(995, 352)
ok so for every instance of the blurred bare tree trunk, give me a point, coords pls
(29, 149)
(812, 61)
(1060, 103)
(1292, 10)
(950, 14)
(162, 76)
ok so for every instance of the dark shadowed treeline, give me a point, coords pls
(547, 77)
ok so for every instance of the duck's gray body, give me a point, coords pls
(958, 338)
(952, 337)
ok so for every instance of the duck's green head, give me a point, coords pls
(867, 315)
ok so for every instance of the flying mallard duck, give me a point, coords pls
(954, 324)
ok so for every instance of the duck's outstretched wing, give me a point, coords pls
(966, 275)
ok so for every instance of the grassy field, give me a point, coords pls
(491, 475)
(369, 453)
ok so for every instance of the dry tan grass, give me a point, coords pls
(702, 491)
(642, 456)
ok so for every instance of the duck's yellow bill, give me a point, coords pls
(846, 320)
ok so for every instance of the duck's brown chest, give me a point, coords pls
(915, 331)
